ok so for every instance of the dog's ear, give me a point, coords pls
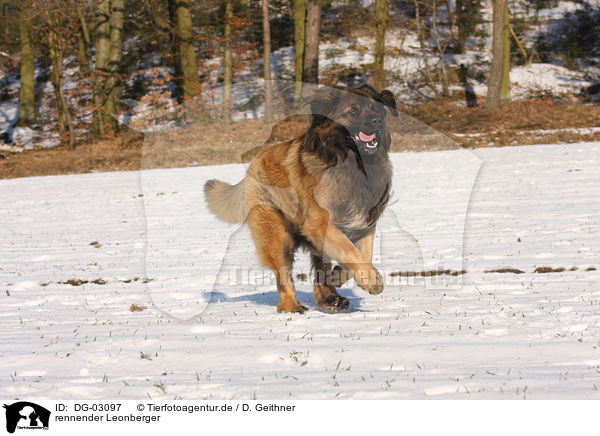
(312, 139)
(389, 101)
(327, 144)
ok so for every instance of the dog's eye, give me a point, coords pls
(352, 112)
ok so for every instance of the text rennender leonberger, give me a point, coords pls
(324, 191)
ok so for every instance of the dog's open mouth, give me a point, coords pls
(368, 142)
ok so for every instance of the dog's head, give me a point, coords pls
(351, 119)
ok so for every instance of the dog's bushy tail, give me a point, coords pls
(226, 201)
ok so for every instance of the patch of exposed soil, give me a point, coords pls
(98, 281)
(432, 273)
(137, 308)
(74, 282)
(548, 269)
(505, 270)
(539, 270)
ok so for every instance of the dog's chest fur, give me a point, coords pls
(355, 199)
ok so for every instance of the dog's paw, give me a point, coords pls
(334, 303)
(295, 308)
(370, 280)
(339, 276)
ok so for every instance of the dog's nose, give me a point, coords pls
(376, 123)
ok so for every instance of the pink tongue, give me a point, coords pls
(366, 138)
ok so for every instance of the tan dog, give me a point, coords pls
(323, 191)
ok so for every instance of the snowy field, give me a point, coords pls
(76, 252)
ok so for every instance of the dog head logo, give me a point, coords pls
(26, 415)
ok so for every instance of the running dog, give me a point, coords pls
(323, 191)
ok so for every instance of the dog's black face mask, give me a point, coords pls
(350, 120)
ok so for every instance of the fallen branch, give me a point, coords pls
(512, 32)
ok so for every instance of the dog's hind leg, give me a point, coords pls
(326, 296)
(275, 247)
(341, 275)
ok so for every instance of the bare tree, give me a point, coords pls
(461, 19)
(108, 42)
(311, 53)
(496, 70)
(434, 70)
(54, 14)
(467, 14)
(299, 41)
(227, 63)
(505, 87)
(100, 115)
(382, 8)
(187, 53)
(179, 26)
(83, 39)
(27, 90)
(428, 73)
(267, 61)
(114, 66)
(441, 45)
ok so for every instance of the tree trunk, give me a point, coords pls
(55, 45)
(299, 41)
(187, 54)
(311, 53)
(267, 62)
(441, 49)
(381, 18)
(227, 63)
(505, 88)
(467, 15)
(428, 74)
(4, 20)
(65, 121)
(495, 77)
(27, 90)
(116, 46)
(170, 27)
(83, 40)
(462, 26)
(179, 27)
(100, 113)
(82, 52)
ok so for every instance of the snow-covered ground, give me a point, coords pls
(76, 252)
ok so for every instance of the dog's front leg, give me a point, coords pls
(341, 275)
(335, 245)
(325, 294)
